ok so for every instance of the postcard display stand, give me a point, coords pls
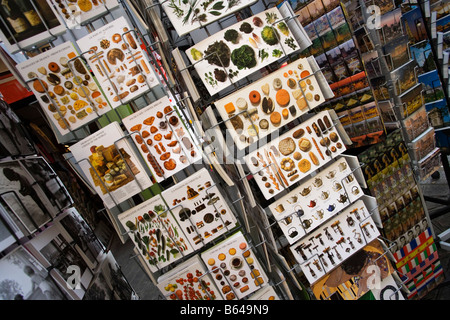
(408, 155)
(199, 231)
(39, 213)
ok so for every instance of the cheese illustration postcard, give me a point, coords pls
(120, 65)
(200, 209)
(67, 93)
(110, 165)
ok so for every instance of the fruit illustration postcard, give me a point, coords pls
(155, 233)
(120, 65)
(162, 138)
(110, 165)
(234, 267)
(200, 209)
(66, 91)
(189, 280)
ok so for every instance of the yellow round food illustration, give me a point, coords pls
(222, 257)
(232, 251)
(211, 261)
(85, 5)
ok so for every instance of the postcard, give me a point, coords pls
(396, 53)
(241, 49)
(155, 233)
(411, 100)
(162, 138)
(438, 113)
(199, 208)
(235, 268)
(405, 77)
(390, 26)
(423, 144)
(416, 123)
(67, 93)
(187, 16)
(423, 54)
(414, 25)
(111, 166)
(122, 68)
(432, 86)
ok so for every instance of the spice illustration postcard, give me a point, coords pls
(155, 233)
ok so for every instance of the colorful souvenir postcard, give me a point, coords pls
(234, 267)
(162, 138)
(322, 25)
(405, 77)
(443, 24)
(348, 49)
(372, 63)
(111, 166)
(268, 104)
(155, 233)
(423, 54)
(122, 68)
(287, 159)
(77, 13)
(432, 86)
(411, 100)
(414, 25)
(199, 208)
(390, 26)
(67, 93)
(423, 144)
(189, 280)
(316, 200)
(396, 53)
(440, 109)
(351, 284)
(355, 19)
(26, 32)
(241, 49)
(430, 164)
(23, 277)
(335, 241)
(363, 39)
(190, 15)
(416, 123)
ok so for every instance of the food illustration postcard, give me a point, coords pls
(110, 165)
(268, 104)
(67, 93)
(80, 12)
(155, 233)
(200, 209)
(287, 159)
(316, 200)
(162, 138)
(190, 15)
(117, 60)
(189, 280)
(237, 51)
(234, 267)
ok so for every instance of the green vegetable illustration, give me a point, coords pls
(243, 57)
(283, 28)
(196, 55)
(232, 36)
(270, 35)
